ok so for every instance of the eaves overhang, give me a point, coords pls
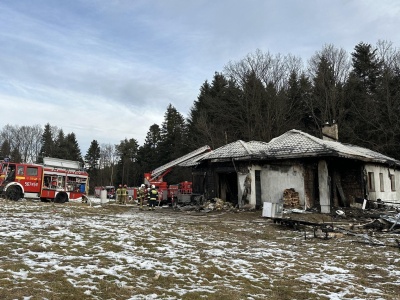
(325, 155)
(295, 144)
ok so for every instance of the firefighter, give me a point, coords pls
(141, 194)
(119, 194)
(124, 195)
(153, 195)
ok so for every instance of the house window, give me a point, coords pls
(371, 182)
(392, 182)
(381, 182)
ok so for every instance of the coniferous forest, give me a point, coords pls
(257, 98)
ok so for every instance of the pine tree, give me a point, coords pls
(60, 149)
(73, 152)
(297, 92)
(47, 149)
(366, 66)
(173, 143)
(217, 117)
(147, 158)
(127, 151)
(5, 149)
(173, 136)
(15, 156)
(256, 109)
(148, 154)
(363, 127)
(224, 110)
(197, 120)
(324, 94)
(92, 156)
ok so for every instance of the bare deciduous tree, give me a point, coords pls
(107, 161)
(24, 139)
(338, 58)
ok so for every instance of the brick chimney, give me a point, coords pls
(330, 132)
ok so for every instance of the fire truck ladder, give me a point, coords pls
(161, 171)
(61, 163)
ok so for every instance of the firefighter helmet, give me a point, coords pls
(120, 185)
(125, 185)
(142, 185)
(153, 186)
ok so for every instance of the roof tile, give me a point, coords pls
(295, 144)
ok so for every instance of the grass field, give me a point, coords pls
(76, 251)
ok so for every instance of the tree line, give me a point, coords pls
(258, 98)
(264, 95)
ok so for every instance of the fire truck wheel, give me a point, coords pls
(61, 197)
(13, 193)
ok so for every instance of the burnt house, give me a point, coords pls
(298, 168)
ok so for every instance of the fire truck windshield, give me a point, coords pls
(3, 167)
(7, 172)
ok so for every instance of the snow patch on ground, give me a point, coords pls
(134, 241)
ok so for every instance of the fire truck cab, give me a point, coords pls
(55, 180)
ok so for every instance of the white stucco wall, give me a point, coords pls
(275, 179)
(387, 194)
(323, 187)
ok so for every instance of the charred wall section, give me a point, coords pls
(311, 190)
(216, 180)
(349, 175)
(352, 181)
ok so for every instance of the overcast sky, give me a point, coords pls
(107, 69)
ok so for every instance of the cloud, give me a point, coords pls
(107, 70)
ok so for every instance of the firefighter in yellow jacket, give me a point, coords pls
(124, 195)
(119, 194)
(141, 195)
(153, 195)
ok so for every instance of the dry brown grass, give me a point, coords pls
(74, 251)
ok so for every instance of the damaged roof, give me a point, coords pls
(238, 149)
(193, 161)
(294, 144)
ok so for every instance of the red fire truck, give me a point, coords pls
(132, 192)
(180, 192)
(109, 188)
(55, 180)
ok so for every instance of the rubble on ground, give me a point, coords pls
(378, 219)
(216, 205)
(377, 226)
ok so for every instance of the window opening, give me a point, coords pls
(371, 182)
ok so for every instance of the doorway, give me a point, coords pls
(228, 187)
